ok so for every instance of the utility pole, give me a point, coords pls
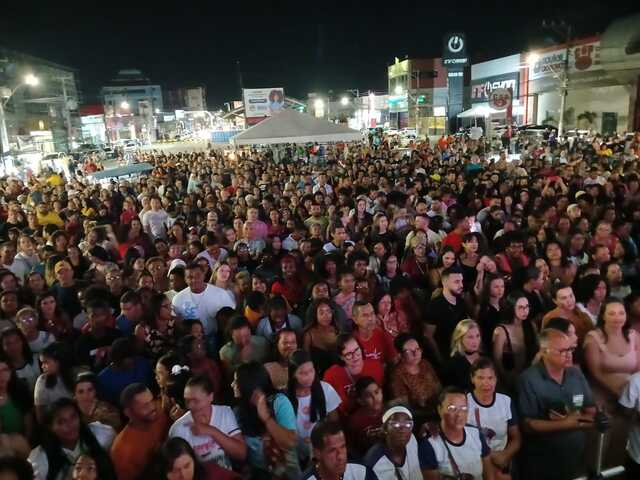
(67, 113)
(240, 82)
(564, 30)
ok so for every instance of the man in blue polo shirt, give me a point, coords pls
(556, 404)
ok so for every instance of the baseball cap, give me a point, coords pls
(60, 265)
(176, 262)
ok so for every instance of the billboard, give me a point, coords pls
(262, 102)
(481, 88)
(582, 58)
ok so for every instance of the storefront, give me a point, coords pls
(602, 86)
(486, 77)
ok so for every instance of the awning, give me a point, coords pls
(290, 126)
(132, 169)
(485, 111)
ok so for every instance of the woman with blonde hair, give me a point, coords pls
(221, 277)
(465, 351)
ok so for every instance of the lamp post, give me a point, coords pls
(29, 80)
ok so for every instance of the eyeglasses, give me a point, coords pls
(457, 409)
(412, 351)
(406, 425)
(563, 351)
(352, 354)
(523, 307)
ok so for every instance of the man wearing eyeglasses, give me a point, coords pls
(397, 458)
(457, 450)
(556, 405)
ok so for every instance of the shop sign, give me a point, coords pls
(454, 51)
(481, 88)
(500, 99)
(582, 58)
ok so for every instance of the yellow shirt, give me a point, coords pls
(50, 218)
(55, 180)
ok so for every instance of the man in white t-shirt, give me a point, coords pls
(200, 300)
(211, 430)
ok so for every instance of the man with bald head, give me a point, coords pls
(557, 407)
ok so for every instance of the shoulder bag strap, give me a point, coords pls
(477, 412)
(452, 460)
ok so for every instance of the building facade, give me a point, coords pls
(602, 74)
(194, 98)
(418, 95)
(42, 117)
(130, 102)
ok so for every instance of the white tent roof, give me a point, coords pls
(289, 126)
(485, 111)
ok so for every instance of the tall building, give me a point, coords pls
(130, 103)
(418, 95)
(42, 116)
(190, 98)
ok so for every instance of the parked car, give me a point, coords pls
(130, 145)
(408, 132)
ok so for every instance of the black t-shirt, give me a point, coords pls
(67, 298)
(445, 317)
(94, 351)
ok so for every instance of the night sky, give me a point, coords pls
(280, 44)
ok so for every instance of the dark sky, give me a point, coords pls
(342, 45)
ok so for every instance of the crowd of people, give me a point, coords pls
(441, 311)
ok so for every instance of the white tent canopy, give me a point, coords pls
(485, 111)
(289, 126)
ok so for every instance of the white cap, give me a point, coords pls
(176, 262)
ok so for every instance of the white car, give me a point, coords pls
(408, 132)
(130, 145)
(52, 160)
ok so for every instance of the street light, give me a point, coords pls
(399, 90)
(31, 80)
(318, 104)
(344, 101)
(532, 59)
(124, 105)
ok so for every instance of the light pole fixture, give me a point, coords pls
(124, 105)
(31, 80)
(344, 101)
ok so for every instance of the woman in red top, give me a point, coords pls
(353, 366)
(128, 211)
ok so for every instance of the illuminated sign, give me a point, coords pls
(454, 51)
(481, 88)
(582, 58)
